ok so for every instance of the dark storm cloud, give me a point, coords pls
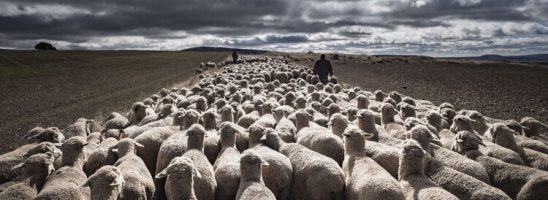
(345, 25)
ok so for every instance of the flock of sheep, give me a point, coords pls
(266, 129)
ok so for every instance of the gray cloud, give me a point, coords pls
(431, 27)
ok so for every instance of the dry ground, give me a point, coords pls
(54, 88)
(500, 90)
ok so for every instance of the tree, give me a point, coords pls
(44, 46)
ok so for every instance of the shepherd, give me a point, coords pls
(323, 68)
(234, 56)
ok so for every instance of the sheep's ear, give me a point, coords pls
(264, 163)
(58, 145)
(196, 173)
(263, 138)
(367, 135)
(114, 150)
(84, 144)
(162, 174)
(481, 143)
(118, 181)
(18, 166)
(139, 145)
(86, 184)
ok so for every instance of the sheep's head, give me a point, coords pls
(501, 134)
(45, 147)
(220, 103)
(407, 110)
(41, 164)
(125, 146)
(180, 168)
(50, 134)
(139, 109)
(421, 134)
(433, 118)
(112, 133)
(446, 105)
(514, 125)
(227, 113)
(190, 117)
(411, 122)
(390, 101)
(395, 95)
(354, 140)
(409, 100)
(106, 178)
(466, 141)
(113, 115)
(74, 144)
(301, 103)
(333, 108)
(532, 127)
(412, 150)
(388, 110)
(250, 165)
(363, 102)
(272, 139)
(379, 95)
(461, 123)
(268, 107)
(209, 117)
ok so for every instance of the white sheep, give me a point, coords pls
(414, 183)
(138, 182)
(65, 182)
(152, 141)
(180, 174)
(500, 134)
(205, 186)
(106, 183)
(278, 175)
(79, 128)
(365, 179)
(518, 182)
(11, 159)
(318, 139)
(36, 170)
(389, 123)
(227, 164)
(337, 124)
(251, 185)
(50, 134)
(285, 127)
(115, 121)
(310, 170)
(101, 156)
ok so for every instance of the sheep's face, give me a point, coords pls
(45, 147)
(461, 123)
(50, 134)
(411, 122)
(446, 105)
(500, 134)
(433, 116)
(448, 113)
(106, 176)
(388, 109)
(420, 133)
(353, 133)
(74, 144)
(38, 163)
(412, 150)
(409, 100)
(466, 141)
(395, 95)
(251, 159)
(514, 125)
(379, 95)
(180, 168)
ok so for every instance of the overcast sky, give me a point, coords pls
(426, 27)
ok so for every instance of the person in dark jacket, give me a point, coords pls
(234, 56)
(323, 68)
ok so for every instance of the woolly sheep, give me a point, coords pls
(285, 127)
(138, 182)
(500, 134)
(227, 164)
(251, 186)
(392, 128)
(106, 183)
(463, 123)
(310, 170)
(205, 186)
(138, 112)
(278, 175)
(180, 174)
(65, 182)
(337, 124)
(50, 134)
(211, 140)
(319, 139)
(451, 159)
(152, 141)
(101, 156)
(116, 121)
(414, 183)
(79, 128)
(534, 129)
(36, 170)
(11, 159)
(517, 181)
(365, 179)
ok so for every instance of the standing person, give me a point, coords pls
(234, 56)
(322, 68)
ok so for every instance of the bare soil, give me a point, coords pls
(54, 88)
(496, 89)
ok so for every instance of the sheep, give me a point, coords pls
(363, 102)
(65, 182)
(392, 128)
(212, 145)
(106, 183)
(445, 135)
(516, 181)
(407, 110)
(11, 159)
(278, 175)
(205, 186)
(365, 179)
(36, 170)
(449, 158)
(478, 122)
(448, 114)
(116, 121)
(227, 113)
(267, 119)
(530, 143)
(500, 134)
(285, 127)
(379, 95)
(337, 124)
(152, 141)
(414, 183)
(79, 128)
(50, 134)
(251, 185)
(227, 164)
(533, 129)
(464, 123)
(138, 182)
(101, 156)
(319, 139)
(180, 174)
(310, 170)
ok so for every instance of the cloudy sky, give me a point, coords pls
(426, 27)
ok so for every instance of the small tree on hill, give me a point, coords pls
(44, 46)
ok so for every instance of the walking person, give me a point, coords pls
(323, 68)
(234, 56)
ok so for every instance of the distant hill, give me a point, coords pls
(225, 49)
(536, 58)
